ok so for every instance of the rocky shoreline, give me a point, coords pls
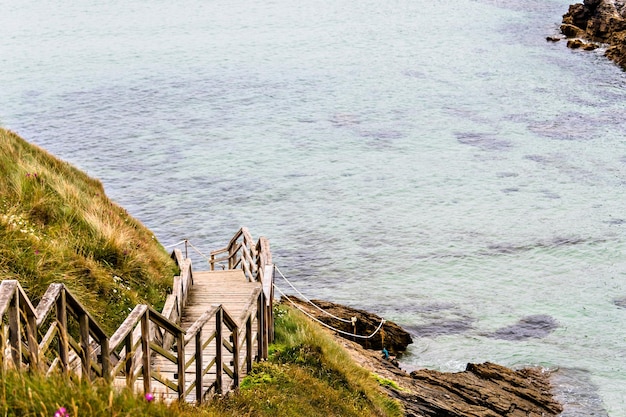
(482, 390)
(595, 23)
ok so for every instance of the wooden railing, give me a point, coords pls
(255, 259)
(61, 336)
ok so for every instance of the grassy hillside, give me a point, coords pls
(57, 225)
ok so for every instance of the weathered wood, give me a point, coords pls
(200, 323)
(63, 337)
(14, 331)
(199, 369)
(239, 313)
(105, 359)
(164, 353)
(7, 292)
(78, 309)
(249, 344)
(48, 301)
(218, 352)
(145, 348)
(261, 333)
(128, 325)
(180, 350)
(83, 321)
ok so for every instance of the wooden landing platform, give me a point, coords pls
(229, 288)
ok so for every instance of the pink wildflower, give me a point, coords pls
(149, 396)
(61, 412)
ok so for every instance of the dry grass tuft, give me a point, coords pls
(57, 225)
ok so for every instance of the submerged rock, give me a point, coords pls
(599, 22)
(530, 327)
(393, 337)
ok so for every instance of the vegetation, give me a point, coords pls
(57, 225)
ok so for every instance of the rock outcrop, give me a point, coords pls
(392, 337)
(595, 22)
(482, 390)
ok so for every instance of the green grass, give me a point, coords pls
(57, 225)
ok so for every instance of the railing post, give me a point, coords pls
(145, 347)
(63, 339)
(260, 322)
(180, 350)
(14, 331)
(235, 335)
(33, 346)
(85, 359)
(249, 344)
(130, 360)
(105, 358)
(199, 384)
(219, 365)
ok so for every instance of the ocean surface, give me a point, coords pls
(436, 162)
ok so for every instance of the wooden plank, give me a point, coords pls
(7, 291)
(145, 348)
(47, 302)
(15, 332)
(85, 357)
(127, 326)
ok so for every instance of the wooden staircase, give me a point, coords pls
(213, 326)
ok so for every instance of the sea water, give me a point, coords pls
(437, 162)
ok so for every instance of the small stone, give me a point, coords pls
(574, 43)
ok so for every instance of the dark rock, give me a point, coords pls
(571, 31)
(598, 21)
(480, 391)
(393, 337)
(553, 39)
(590, 46)
(574, 43)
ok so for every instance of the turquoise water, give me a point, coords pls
(438, 163)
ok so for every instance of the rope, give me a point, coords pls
(192, 246)
(328, 326)
(175, 244)
(309, 301)
(199, 253)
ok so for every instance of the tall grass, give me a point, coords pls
(57, 225)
